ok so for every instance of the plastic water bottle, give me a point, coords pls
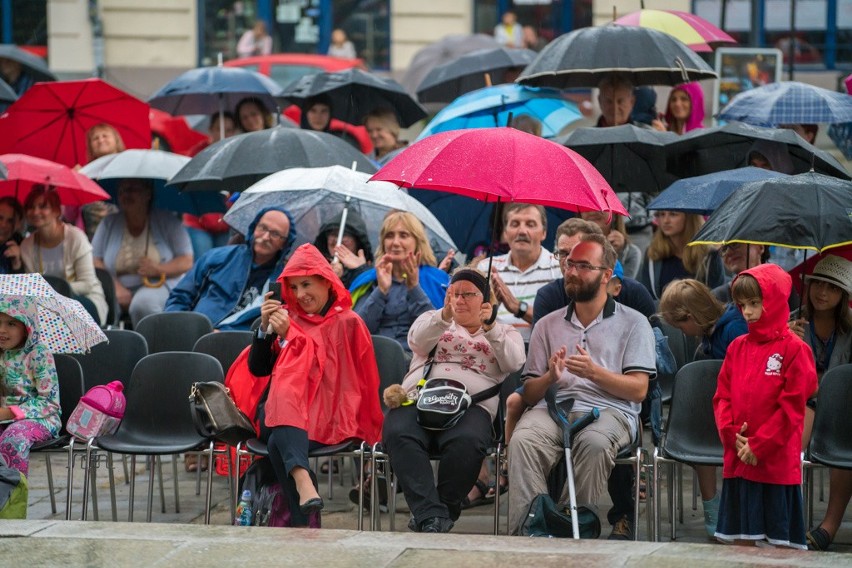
(244, 512)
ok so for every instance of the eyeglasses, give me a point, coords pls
(466, 295)
(582, 266)
(561, 254)
(274, 235)
(728, 248)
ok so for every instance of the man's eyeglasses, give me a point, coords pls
(466, 295)
(561, 254)
(274, 235)
(582, 266)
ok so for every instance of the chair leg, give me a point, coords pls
(235, 481)
(93, 480)
(363, 454)
(198, 473)
(231, 489)
(153, 470)
(498, 453)
(157, 464)
(111, 475)
(655, 501)
(50, 482)
(86, 460)
(124, 466)
(636, 493)
(694, 490)
(175, 478)
(209, 499)
(132, 488)
(69, 480)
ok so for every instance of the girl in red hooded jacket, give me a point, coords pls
(764, 383)
(323, 383)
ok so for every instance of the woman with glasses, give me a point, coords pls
(404, 282)
(145, 250)
(669, 258)
(467, 346)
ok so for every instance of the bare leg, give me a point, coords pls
(706, 481)
(514, 409)
(304, 485)
(739, 542)
(809, 425)
(839, 492)
(476, 492)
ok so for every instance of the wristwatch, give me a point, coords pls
(522, 310)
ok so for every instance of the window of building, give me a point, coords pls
(367, 24)
(224, 22)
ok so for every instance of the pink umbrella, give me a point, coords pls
(807, 266)
(502, 164)
(23, 172)
(697, 33)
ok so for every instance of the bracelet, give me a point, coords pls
(148, 284)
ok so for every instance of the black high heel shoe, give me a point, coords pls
(311, 506)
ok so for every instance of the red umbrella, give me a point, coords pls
(808, 266)
(175, 132)
(50, 120)
(23, 172)
(502, 164)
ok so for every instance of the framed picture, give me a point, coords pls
(741, 69)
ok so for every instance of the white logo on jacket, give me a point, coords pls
(773, 365)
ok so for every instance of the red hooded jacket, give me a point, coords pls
(325, 379)
(765, 380)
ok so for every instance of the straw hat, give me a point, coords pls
(834, 270)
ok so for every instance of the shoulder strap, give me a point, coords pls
(486, 394)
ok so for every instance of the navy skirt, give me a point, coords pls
(749, 510)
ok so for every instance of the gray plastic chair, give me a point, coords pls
(224, 345)
(173, 331)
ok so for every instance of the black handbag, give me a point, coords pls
(216, 416)
(441, 403)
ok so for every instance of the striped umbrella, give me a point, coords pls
(697, 33)
(789, 102)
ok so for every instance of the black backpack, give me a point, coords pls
(547, 519)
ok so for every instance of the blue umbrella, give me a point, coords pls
(491, 106)
(157, 167)
(789, 102)
(213, 89)
(7, 93)
(703, 194)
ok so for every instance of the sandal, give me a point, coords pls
(818, 539)
(492, 488)
(467, 503)
(324, 467)
(190, 463)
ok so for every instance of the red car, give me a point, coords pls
(284, 68)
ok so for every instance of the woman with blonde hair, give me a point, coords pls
(669, 258)
(383, 128)
(404, 282)
(691, 307)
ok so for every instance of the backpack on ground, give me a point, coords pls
(14, 492)
(270, 506)
(99, 411)
(545, 518)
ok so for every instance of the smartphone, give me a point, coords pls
(275, 288)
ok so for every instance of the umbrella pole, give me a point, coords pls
(495, 240)
(343, 216)
(802, 295)
(221, 114)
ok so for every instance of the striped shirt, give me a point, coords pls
(523, 284)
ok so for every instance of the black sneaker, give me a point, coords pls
(623, 529)
(412, 525)
(436, 525)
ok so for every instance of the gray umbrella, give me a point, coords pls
(35, 65)
(235, 163)
(726, 147)
(7, 94)
(584, 57)
(445, 49)
(447, 82)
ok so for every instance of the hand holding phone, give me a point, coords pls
(275, 288)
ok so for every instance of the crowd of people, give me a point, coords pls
(576, 319)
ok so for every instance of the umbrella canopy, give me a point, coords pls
(63, 325)
(50, 120)
(629, 158)
(445, 49)
(807, 267)
(807, 211)
(206, 90)
(157, 167)
(697, 33)
(23, 172)
(33, 64)
(235, 163)
(703, 194)
(789, 102)
(174, 131)
(447, 82)
(315, 195)
(502, 164)
(492, 106)
(7, 93)
(354, 93)
(584, 57)
(726, 147)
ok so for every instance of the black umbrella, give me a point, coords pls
(354, 93)
(629, 158)
(726, 147)
(34, 65)
(445, 49)
(807, 211)
(7, 93)
(235, 163)
(584, 57)
(446, 82)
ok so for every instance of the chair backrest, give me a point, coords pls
(691, 435)
(831, 439)
(392, 363)
(69, 373)
(678, 345)
(173, 331)
(157, 395)
(107, 283)
(224, 345)
(60, 285)
(115, 360)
